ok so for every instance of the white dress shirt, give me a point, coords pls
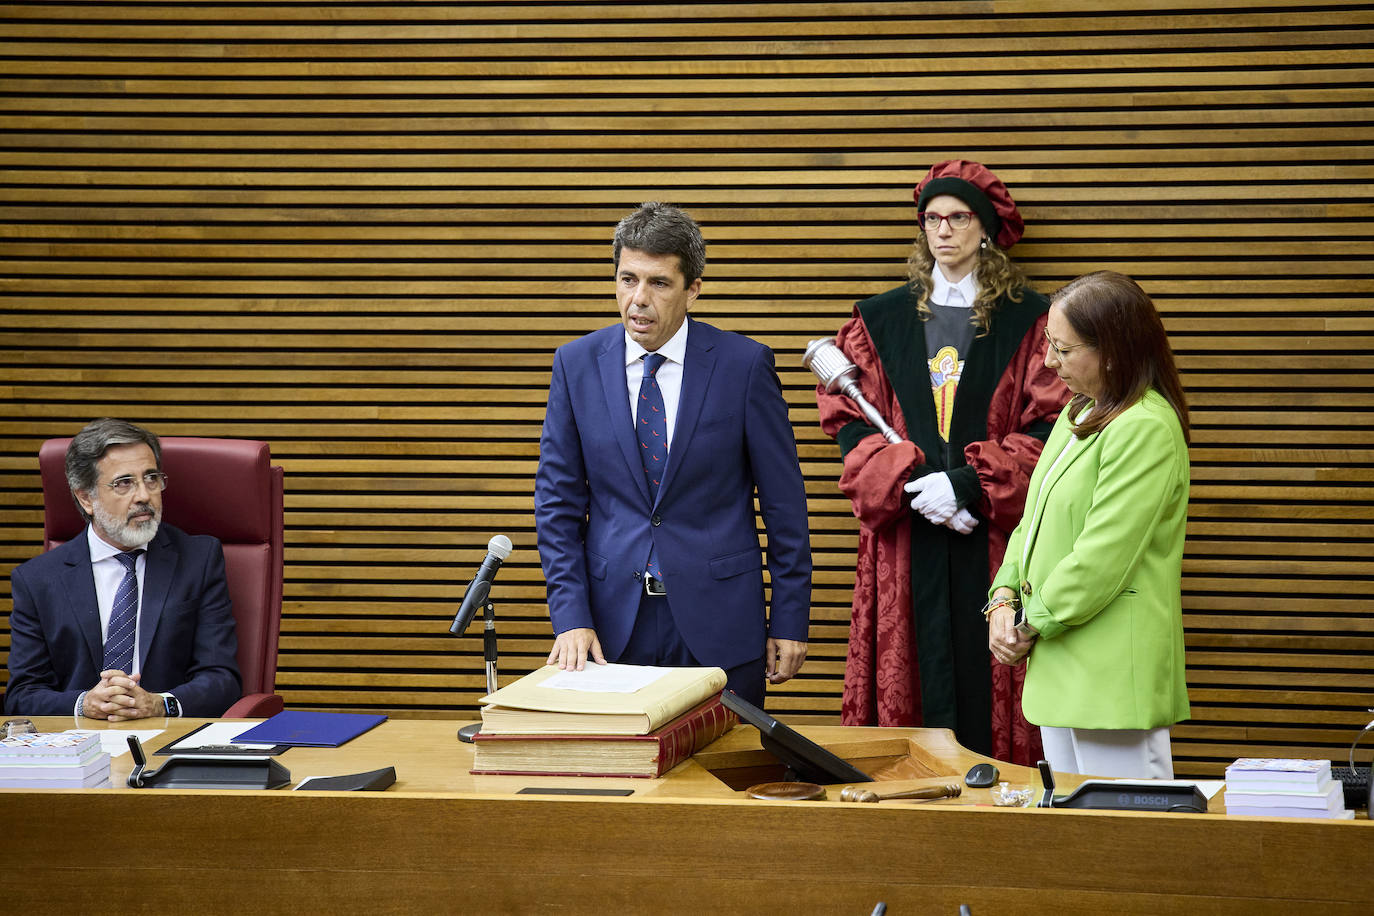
(669, 375)
(108, 573)
(954, 295)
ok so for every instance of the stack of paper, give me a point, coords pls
(53, 760)
(1284, 787)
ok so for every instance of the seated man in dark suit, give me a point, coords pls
(131, 618)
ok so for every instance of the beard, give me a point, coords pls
(125, 532)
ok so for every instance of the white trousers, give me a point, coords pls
(1124, 753)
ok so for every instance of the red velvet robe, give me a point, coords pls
(1019, 400)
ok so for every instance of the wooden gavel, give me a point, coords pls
(860, 794)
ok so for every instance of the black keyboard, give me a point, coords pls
(1356, 783)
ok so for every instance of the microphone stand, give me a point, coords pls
(466, 733)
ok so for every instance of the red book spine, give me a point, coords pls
(691, 732)
(675, 742)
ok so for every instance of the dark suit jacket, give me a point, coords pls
(186, 628)
(596, 524)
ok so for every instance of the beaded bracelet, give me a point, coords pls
(994, 603)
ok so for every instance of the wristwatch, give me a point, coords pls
(170, 706)
(1022, 626)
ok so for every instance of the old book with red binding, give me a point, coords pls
(648, 755)
(530, 706)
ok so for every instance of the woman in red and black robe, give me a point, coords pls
(954, 360)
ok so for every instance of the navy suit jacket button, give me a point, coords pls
(657, 520)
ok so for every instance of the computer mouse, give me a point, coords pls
(981, 775)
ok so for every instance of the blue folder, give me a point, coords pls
(302, 728)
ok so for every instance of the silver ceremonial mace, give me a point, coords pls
(837, 373)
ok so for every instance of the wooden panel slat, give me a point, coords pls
(359, 230)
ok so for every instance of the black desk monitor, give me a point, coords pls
(805, 759)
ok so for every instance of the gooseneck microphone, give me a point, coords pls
(498, 548)
(478, 595)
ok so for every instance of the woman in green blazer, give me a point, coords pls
(1090, 583)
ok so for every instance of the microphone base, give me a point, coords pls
(466, 733)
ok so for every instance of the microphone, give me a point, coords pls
(498, 548)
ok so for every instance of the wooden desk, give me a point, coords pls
(442, 840)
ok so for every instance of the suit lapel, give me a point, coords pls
(78, 584)
(698, 364)
(159, 565)
(611, 363)
(1055, 475)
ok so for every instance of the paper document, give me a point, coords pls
(607, 678)
(216, 734)
(116, 742)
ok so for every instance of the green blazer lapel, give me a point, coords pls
(1054, 474)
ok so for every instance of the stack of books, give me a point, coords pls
(1283, 787)
(53, 760)
(531, 729)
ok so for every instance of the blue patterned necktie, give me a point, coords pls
(119, 643)
(651, 426)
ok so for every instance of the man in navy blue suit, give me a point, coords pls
(131, 618)
(660, 430)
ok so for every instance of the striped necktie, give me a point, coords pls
(119, 641)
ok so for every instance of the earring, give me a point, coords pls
(984, 245)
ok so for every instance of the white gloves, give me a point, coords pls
(962, 522)
(934, 497)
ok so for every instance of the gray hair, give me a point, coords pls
(90, 445)
(661, 229)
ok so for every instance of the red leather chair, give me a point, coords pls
(227, 488)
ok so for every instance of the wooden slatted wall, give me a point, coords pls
(358, 230)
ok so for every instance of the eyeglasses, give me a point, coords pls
(959, 219)
(1060, 351)
(155, 481)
